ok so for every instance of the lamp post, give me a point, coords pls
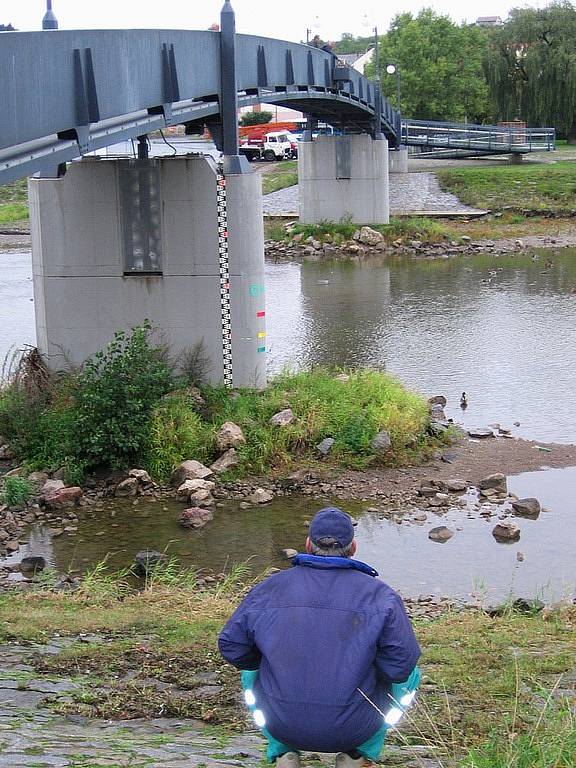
(49, 21)
(392, 69)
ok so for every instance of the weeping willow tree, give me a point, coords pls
(531, 67)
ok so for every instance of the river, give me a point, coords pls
(500, 328)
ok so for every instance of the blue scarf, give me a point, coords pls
(316, 561)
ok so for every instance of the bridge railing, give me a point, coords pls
(484, 138)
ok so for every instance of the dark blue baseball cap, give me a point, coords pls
(332, 523)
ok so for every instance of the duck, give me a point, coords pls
(463, 400)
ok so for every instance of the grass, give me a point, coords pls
(282, 174)
(491, 695)
(14, 202)
(530, 189)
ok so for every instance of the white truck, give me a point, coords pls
(276, 145)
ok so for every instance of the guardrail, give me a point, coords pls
(477, 139)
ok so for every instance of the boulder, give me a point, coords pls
(506, 531)
(261, 496)
(441, 534)
(195, 517)
(369, 236)
(228, 436)
(381, 442)
(51, 486)
(38, 478)
(456, 485)
(282, 418)
(63, 498)
(289, 553)
(128, 487)
(201, 498)
(437, 400)
(226, 461)
(191, 486)
(31, 565)
(6, 453)
(526, 508)
(480, 433)
(147, 560)
(325, 446)
(141, 475)
(189, 470)
(495, 482)
(437, 412)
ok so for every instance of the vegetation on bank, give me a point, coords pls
(495, 690)
(283, 174)
(529, 189)
(127, 406)
(14, 202)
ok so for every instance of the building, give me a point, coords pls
(489, 21)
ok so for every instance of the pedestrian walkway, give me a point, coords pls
(409, 192)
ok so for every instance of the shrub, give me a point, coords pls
(256, 118)
(116, 393)
(17, 491)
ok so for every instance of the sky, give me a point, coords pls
(284, 19)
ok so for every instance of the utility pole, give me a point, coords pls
(49, 21)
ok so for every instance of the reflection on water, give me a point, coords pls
(472, 562)
(16, 306)
(501, 329)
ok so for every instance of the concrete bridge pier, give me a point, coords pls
(398, 160)
(117, 242)
(343, 177)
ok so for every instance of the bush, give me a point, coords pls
(116, 393)
(256, 118)
(17, 491)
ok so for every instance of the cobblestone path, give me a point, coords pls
(408, 192)
(32, 736)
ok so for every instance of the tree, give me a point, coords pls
(351, 44)
(255, 118)
(531, 67)
(440, 66)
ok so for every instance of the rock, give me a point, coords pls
(31, 565)
(420, 517)
(282, 418)
(147, 560)
(228, 436)
(428, 491)
(189, 470)
(141, 475)
(441, 534)
(128, 487)
(526, 508)
(527, 605)
(325, 446)
(39, 478)
(480, 433)
(226, 461)
(506, 531)
(437, 412)
(289, 553)
(13, 545)
(381, 442)
(51, 486)
(369, 236)
(65, 497)
(191, 486)
(438, 428)
(195, 517)
(437, 400)
(520, 557)
(456, 485)
(261, 496)
(496, 482)
(201, 498)
(6, 453)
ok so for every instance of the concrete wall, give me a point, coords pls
(82, 294)
(353, 185)
(398, 161)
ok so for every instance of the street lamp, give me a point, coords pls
(49, 21)
(314, 27)
(392, 69)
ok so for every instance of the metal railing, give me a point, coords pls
(477, 139)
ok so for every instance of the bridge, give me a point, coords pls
(174, 240)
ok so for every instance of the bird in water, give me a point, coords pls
(463, 401)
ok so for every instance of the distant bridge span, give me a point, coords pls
(66, 93)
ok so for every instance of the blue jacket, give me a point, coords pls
(317, 632)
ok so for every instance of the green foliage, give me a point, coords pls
(350, 44)
(256, 118)
(440, 65)
(531, 67)
(280, 176)
(398, 228)
(116, 393)
(13, 212)
(176, 433)
(529, 188)
(17, 491)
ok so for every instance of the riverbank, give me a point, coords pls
(145, 666)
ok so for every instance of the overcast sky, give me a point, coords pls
(286, 19)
